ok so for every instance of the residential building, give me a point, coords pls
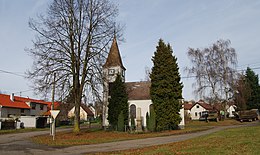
(26, 110)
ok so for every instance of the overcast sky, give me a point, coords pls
(183, 24)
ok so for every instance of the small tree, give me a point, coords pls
(147, 121)
(152, 120)
(120, 123)
(132, 122)
(166, 88)
(118, 102)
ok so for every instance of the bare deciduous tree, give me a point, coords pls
(72, 41)
(242, 93)
(214, 70)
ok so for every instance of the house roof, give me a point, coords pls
(114, 58)
(19, 102)
(56, 106)
(187, 106)
(88, 111)
(138, 90)
(204, 105)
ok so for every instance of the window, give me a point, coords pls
(198, 106)
(196, 114)
(41, 106)
(200, 114)
(111, 72)
(123, 73)
(33, 105)
(22, 110)
(133, 111)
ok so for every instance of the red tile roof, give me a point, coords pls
(187, 106)
(19, 102)
(204, 105)
(56, 106)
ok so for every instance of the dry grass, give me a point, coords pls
(87, 136)
(244, 140)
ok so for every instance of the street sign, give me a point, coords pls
(54, 113)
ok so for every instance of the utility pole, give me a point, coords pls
(52, 125)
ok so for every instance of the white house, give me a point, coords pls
(85, 113)
(195, 110)
(138, 92)
(12, 107)
(231, 108)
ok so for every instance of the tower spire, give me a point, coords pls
(114, 58)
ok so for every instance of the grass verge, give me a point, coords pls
(244, 140)
(90, 136)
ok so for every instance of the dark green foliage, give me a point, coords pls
(253, 82)
(120, 123)
(152, 120)
(166, 88)
(118, 102)
(147, 121)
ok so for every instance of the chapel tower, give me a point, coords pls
(111, 69)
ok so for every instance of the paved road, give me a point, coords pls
(14, 144)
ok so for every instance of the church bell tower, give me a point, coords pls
(111, 69)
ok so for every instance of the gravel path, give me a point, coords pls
(17, 143)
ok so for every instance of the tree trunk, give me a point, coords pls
(77, 103)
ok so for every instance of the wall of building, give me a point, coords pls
(29, 121)
(230, 110)
(182, 123)
(5, 112)
(37, 111)
(196, 111)
(83, 114)
(144, 105)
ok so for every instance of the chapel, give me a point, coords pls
(139, 99)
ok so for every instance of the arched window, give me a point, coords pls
(133, 111)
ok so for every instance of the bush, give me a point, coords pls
(147, 122)
(152, 120)
(120, 122)
(132, 123)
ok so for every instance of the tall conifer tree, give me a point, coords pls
(166, 88)
(253, 81)
(118, 102)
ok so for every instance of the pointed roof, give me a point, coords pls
(114, 58)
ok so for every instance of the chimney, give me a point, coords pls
(12, 97)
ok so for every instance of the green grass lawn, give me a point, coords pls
(244, 140)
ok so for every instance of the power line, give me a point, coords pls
(13, 73)
(23, 91)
